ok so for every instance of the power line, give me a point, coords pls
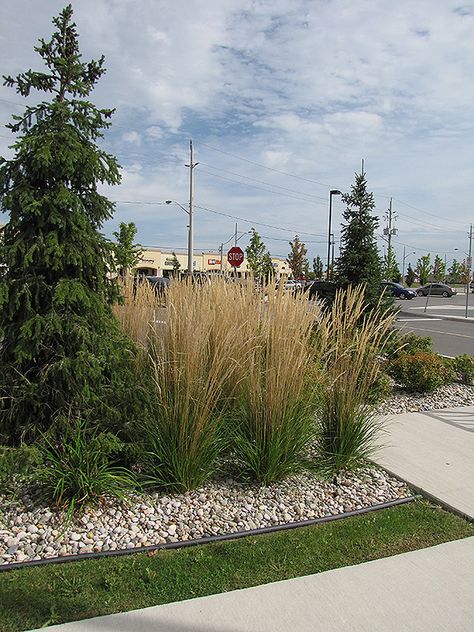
(214, 211)
(250, 221)
(276, 186)
(254, 186)
(257, 164)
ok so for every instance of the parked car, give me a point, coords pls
(436, 289)
(325, 290)
(397, 290)
(159, 284)
(293, 284)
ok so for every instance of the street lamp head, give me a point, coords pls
(335, 192)
(168, 201)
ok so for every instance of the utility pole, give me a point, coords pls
(390, 217)
(468, 270)
(191, 166)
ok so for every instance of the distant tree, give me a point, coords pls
(439, 269)
(423, 268)
(127, 254)
(456, 272)
(318, 267)
(259, 260)
(176, 263)
(391, 271)
(297, 258)
(410, 276)
(62, 351)
(359, 260)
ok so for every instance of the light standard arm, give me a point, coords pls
(331, 193)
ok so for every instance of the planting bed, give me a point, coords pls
(448, 396)
(29, 532)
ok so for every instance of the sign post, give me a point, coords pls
(235, 257)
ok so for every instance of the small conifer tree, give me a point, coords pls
(359, 260)
(62, 353)
(410, 276)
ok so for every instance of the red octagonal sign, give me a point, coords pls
(235, 256)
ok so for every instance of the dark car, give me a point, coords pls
(436, 289)
(159, 284)
(397, 290)
(325, 290)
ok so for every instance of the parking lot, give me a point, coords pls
(443, 319)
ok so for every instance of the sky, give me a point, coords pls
(282, 100)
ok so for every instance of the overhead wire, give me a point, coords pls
(216, 212)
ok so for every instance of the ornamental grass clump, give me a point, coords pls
(192, 356)
(348, 427)
(139, 308)
(274, 413)
(79, 467)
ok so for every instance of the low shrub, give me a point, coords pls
(407, 343)
(79, 467)
(449, 373)
(17, 467)
(380, 389)
(464, 367)
(420, 372)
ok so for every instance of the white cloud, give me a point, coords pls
(307, 88)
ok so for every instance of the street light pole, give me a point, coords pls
(468, 269)
(331, 193)
(403, 265)
(191, 166)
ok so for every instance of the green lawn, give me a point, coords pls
(32, 597)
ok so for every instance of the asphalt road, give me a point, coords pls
(450, 337)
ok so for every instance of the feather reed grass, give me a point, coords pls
(275, 401)
(193, 358)
(139, 309)
(353, 337)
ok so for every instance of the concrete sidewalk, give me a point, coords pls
(434, 451)
(424, 591)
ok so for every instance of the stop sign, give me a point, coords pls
(235, 256)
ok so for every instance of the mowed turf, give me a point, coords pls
(36, 596)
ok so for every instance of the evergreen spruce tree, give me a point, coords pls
(176, 263)
(359, 260)
(62, 353)
(391, 271)
(410, 276)
(318, 267)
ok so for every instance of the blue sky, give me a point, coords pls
(282, 100)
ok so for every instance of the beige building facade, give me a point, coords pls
(159, 262)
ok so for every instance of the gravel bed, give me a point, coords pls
(448, 396)
(29, 532)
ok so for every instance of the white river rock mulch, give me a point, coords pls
(448, 396)
(30, 532)
(33, 533)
